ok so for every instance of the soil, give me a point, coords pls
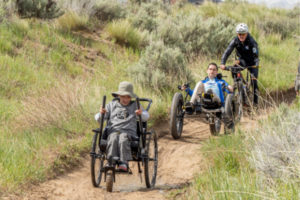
(179, 161)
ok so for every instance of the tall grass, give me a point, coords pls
(125, 34)
(262, 163)
(44, 116)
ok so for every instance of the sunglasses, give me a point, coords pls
(241, 34)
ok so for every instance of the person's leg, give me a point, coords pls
(112, 148)
(125, 150)
(199, 88)
(254, 77)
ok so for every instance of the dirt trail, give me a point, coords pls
(179, 161)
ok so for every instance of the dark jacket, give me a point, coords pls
(247, 51)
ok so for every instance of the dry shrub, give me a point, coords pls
(53, 106)
(193, 35)
(275, 152)
(161, 68)
(147, 15)
(108, 10)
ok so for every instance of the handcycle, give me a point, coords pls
(243, 91)
(206, 110)
(144, 151)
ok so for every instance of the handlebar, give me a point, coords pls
(186, 85)
(236, 68)
(146, 99)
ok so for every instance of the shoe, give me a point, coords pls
(123, 167)
(189, 108)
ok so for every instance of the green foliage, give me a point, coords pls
(279, 25)
(45, 9)
(194, 35)
(108, 10)
(147, 15)
(160, 67)
(71, 21)
(125, 34)
(7, 8)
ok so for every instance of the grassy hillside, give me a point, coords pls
(54, 72)
(261, 163)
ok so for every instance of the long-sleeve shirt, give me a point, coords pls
(122, 118)
(246, 51)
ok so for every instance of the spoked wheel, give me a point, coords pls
(229, 114)
(176, 116)
(239, 102)
(97, 161)
(214, 126)
(150, 165)
(109, 181)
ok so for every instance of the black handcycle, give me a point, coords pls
(144, 151)
(206, 110)
(243, 90)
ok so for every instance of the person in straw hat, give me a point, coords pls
(121, 114)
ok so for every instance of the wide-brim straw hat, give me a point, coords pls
(125, 88)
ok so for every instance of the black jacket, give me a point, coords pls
(247, 51)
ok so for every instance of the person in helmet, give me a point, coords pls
(247, 53)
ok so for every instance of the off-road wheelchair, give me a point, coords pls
(144, 151)
(206, 110)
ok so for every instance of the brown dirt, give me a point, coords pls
(179, 161)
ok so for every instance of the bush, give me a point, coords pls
(72, 21)
(219, 31)
(124, 34)
(7, 9)
(161, 67)
(275, 152)
(147, 16)
(108, 10)
(193, 35)
(169, 32)
(43, 9)
(280, 25)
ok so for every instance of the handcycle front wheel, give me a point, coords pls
(176, 116)
(109, 181)
(97, 162)
(151, 162)
(214, 126)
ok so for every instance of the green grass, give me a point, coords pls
(231, 166)
(125, 34)
(52, 80)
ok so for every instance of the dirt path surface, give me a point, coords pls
(179, 161)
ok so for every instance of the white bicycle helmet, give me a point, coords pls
(241, 28)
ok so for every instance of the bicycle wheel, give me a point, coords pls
(249, 95)
(151, 162)
(176, 116)
(97, 161)
(239, 102)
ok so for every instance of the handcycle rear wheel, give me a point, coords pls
(176, 116)
(229, 118)
(96, 162)
(151, 162)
